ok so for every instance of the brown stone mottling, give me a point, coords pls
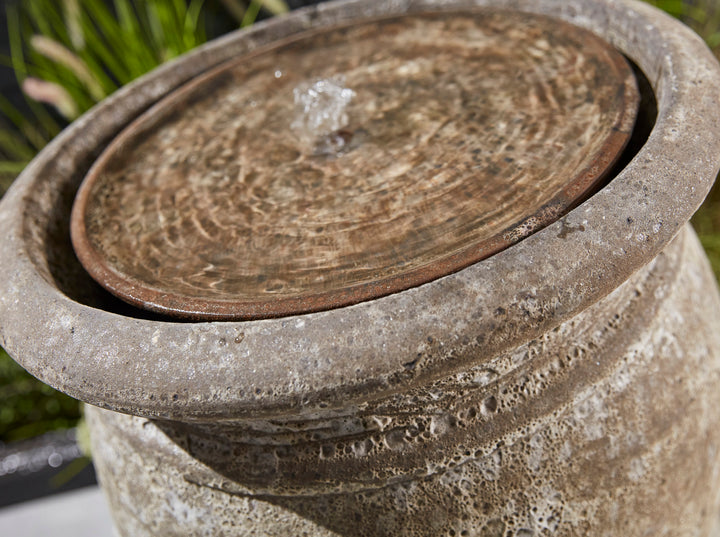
(565, 386)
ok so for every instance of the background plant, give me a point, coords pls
(30, 407)
(703, 16)
(71, 54)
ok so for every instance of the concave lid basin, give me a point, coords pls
(466, 132)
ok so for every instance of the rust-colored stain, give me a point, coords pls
(468, 131)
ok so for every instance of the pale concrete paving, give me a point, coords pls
(79, 513)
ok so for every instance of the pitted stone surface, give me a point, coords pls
(141, 364)
(578, 432)
(621, 439)
(336, 357)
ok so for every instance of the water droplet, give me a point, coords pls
(55, 460)
(321, 111)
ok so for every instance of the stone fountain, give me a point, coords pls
(519, 337)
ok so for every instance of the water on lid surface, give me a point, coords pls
(461, 126)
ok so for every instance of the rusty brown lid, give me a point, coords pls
(451, 136)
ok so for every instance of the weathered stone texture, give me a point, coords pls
(605, 425)
(565, 386)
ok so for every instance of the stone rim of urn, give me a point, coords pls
(328, 365)
(208, 370)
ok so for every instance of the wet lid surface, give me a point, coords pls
(464, 132)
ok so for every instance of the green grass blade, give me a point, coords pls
(276, 7)
(155, 32)
(139, 44)
(127, 17)
(72, 15)
(44, 69)
(8, 167)
(118, 70)
(59, 54)
(16, 53)
(170, 27)
(193, 22)
(43, 14)
(31, 133)
(13, 146)
(11, 113)
(178, 9)
(122, 36)
(675, 8)
(251, 13)
(235, 8)
(106, 83)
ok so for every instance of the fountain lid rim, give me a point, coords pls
(134, 365)
(137, 292)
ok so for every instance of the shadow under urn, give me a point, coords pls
(389, 268)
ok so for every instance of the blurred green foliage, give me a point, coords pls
(703, 16)
(71, 54)
(28, 407)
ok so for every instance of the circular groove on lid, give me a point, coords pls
(468, 131)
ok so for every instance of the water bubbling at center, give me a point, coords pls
(320, 112)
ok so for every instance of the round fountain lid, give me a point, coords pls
(353, 162)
